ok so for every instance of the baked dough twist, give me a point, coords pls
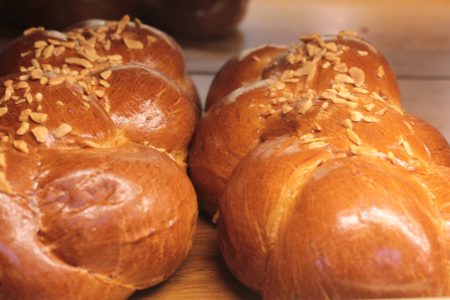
(327, 188)
(94, 199)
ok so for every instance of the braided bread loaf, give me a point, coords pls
(94, 199)
(327, 188)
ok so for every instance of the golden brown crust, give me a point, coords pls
(317, 136)
(95, 200)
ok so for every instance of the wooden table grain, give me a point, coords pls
(415, 38)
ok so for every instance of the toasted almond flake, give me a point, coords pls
(331, 46)
(347, 123)
(380, 72)
(39, 108)
(4, 184)
(24, 114)
(54, 42)
(22, 85)
(48, 51)
(100, 93)
(343, 78)
(68, 44)
(40, 44)
(286, 108)
(105, 75)
(56, 80)
(24, 77)
(60, 103)
(3, 111)
(151, 39)
(358, 76)
(353, 137)
(312, 49)
(408, 125)
(337, 100)
(32, 30)
(341, 67)
(377, 96)
(39, 118)
(36, 74)
(359, 150)
(325, 105)
(371, 119)
(133, 44)
(38, 97)
(407, 147)
(310, 37)
(356, 116)
(40, 133)
(122, 24)
(79, 62)
(326, 65)
(59, 50)
(256, 58)
(349, 33)
(369, 107)
(2, 160)
(21, 146)
(352, 104)
(362, 53)
(7, 83)
(23, 128)
(381, 112)
(104, 83)
(43, 80)
(316, 145)
(306, 106)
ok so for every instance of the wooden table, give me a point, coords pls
(413, 35)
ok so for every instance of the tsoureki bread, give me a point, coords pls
(325, 188)
(94, 199)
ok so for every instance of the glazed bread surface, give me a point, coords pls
(322, 185)
(94, 127)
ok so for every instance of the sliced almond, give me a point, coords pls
(62, 130)
(353, 137)
(3, 111)
(21, 146)
(4, 184)
(39, 118)
(23, 128)
(358, 76)
(356, 116)
(2, 160)
(133, 44)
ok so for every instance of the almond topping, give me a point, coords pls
(79, 62)
(151, 39)
(371, 119)
(56, 80)
(39, 118)
(133, 44)
(306, 106)
(406, 146)
(58, 51)
(353, 137)
(380, 72)
(369, 107)
(4, 184)
(356, 116)
(23, 117)
(343, 78)
(62, 130)
(40, 133)
(21, 146)
(105, 75)
(23, 128)
(326, 65)
(316, 145)
(348, 124)
(358, 76)
(40, 44)
(48, 51)
(38, 97)
(362, 53)
(342, 67)
(3, 111)
(331, 46)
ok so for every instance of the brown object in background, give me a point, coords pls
(57, 14)
(95, 202)
(196, 18)
(325, 188)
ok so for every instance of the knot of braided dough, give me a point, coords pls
(327, 188)
(95, 122)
